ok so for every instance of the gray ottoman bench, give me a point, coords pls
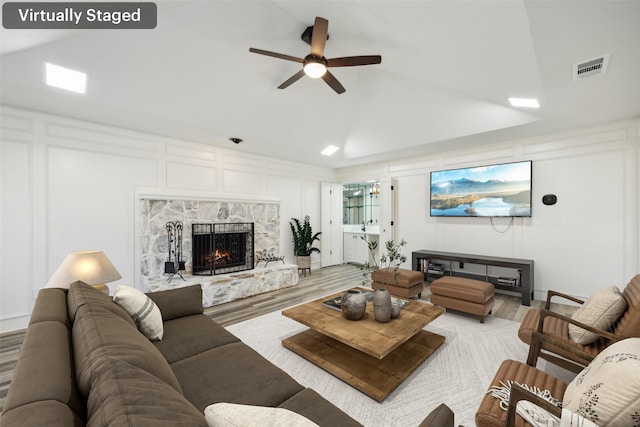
(461, 294)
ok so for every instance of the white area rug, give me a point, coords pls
(458, 373)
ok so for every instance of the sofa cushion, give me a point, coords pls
(190, 335)
(442, 416)
(600, 310)
(51, 305)
(47, 413)
(236, 415)
(144, 312)
(318, 409)
(179, 302)
(81, 294)
(606, 391)
(214, 376)
(125, 395)
(46, 379)
(101, 335)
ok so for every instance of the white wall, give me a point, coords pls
(70, 185)
(589, 239)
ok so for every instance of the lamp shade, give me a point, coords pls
(90, 267)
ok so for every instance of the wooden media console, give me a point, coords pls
(520, 282)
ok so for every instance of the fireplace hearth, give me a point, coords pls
(220, 248)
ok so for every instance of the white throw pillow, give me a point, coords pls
(607, 391)
(600, 310)
(535, 415)
(570, 419)
(142, 310)
(538, 417)
(236, 415)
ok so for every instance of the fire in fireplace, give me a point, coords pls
(222, 248)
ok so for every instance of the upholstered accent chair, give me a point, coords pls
(552, 336)
(605, 393)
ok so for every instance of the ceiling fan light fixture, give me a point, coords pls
(315, 65)
(315, 68)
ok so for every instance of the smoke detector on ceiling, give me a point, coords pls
(590, 68)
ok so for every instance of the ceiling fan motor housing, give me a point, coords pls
(307, 33)
(312, 58)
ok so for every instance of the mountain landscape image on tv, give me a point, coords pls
(491, 191)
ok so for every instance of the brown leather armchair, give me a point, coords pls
(547, 332)
(490, 412)
(606, 392)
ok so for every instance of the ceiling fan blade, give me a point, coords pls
(350, 61)
(319, 36)
(276, 55)
(333, 82)
(297, 76)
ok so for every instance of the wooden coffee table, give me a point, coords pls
(370, 356)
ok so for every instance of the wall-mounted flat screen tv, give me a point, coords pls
(492, 191)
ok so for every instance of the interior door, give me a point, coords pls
(331, 224)
(387, 205)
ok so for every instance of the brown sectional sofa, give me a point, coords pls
(84, 363)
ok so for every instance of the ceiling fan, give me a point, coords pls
(315, 64)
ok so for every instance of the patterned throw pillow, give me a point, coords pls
(600, 310)
(607, 391)
(142, 309)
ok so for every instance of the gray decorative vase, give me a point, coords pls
(353, 304)
(395, 311)
(382, 306)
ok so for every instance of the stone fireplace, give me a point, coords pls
(238, 274)
(220, 248)
(156, 213)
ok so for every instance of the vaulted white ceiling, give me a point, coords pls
(447, 70)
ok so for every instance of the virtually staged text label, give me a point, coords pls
(79, 15)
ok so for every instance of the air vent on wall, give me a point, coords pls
(590, 68)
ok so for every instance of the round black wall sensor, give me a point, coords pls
(236, 140)
(549, 199)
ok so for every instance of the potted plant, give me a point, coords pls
(391, 259)
(303, 239)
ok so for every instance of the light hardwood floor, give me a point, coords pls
(320, 282)
(338, 278)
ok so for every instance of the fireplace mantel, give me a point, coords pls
(203, 196)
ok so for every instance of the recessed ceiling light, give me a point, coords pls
(330, 150)
(65, 78)
(524, 102)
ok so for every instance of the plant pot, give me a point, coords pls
(353, 304)
(304, 262)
